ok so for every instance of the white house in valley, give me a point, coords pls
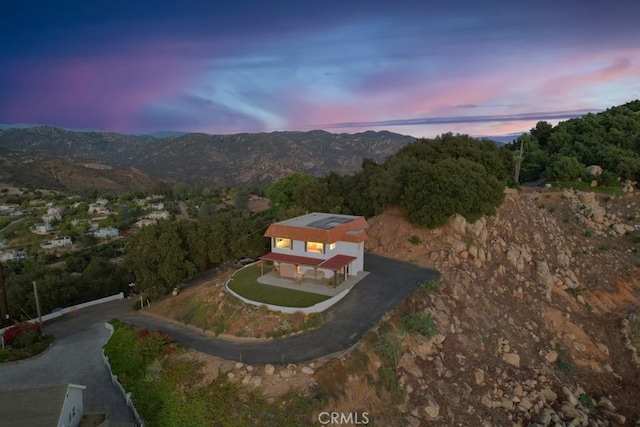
(318, 245)
(106, 232)
(60, 242)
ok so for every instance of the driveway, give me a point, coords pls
(76, 354)
(388, 283)
(75, 357)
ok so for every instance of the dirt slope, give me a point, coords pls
(537, 318)
(530, 314)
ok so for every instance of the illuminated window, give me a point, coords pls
(283, 243)
(331, 246)
(315, 247)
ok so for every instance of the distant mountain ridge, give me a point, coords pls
(240, 159)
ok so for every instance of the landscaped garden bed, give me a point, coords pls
(22, 341)
(245, 283)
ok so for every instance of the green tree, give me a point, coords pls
(157, 259)
(563, 168)
(435, 192)
(282, 192)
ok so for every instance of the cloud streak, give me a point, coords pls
(537, 116)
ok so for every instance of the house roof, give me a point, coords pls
(35, 406)
(322, 228)
(334, 263)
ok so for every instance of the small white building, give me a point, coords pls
(12, 255)
(329, 244)
(158, 215)
(41, 228)
(145, 222)
(106, 232)
(98, 209)
(60, 405)
(158, 206)
(60, 242)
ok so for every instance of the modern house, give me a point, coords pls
(60, 405)
(318, 245)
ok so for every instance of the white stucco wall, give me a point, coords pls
(341, 248)
(354, 250)
(73, 407)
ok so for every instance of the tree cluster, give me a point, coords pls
(161, 256)
(610, 139)
(431, 179)
(62, 287)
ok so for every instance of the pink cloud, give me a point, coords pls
(104, 92)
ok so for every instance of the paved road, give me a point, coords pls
(75, 357)
(76, 354)
(388, 283)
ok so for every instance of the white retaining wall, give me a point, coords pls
(71, 309)
(318, 308)
(116, 382)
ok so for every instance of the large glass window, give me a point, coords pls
(315, 247)
(282, 243)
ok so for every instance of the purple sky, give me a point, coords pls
(254, 66)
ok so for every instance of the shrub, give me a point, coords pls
(430, 285)
(22, 334)
(420, 323)
(415, 240)
(313, 321)
(388, 349)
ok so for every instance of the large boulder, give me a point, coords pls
(594, 170)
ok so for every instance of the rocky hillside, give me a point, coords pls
(210, 159)
(537, 318)
(43, 170)
(537, 314)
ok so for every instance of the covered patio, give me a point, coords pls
(273, 278)
(289, 266)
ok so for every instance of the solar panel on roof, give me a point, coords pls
(329, 222)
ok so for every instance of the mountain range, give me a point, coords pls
(60, 158)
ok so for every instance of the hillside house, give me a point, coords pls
(12, 255)
(106, 232)
(158, 215)
(98, 209)
(318, 245)
(60, 242)
(145, 222)
(41, 228)
(54, 213)
(59, 405)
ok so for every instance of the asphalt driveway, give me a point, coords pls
(76, 354)
(75, 357)
(388, 283)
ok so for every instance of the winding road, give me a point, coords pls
(389, 282)
(76, 354)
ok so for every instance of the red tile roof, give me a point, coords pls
(334, 263)
(352, 231)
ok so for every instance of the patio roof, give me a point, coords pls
(333, 263)
(292, 259)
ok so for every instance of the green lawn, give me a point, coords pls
(585, 186)
(245, 283)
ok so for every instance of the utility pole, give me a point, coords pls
(35, 291)
(4, 297)
(519, 156)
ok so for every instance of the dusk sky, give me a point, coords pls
(414, 67)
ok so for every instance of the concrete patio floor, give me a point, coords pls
(320, 287)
